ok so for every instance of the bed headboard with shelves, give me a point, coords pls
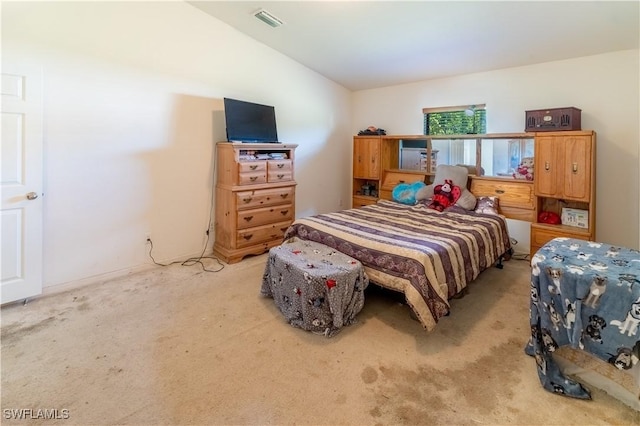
(516, 196)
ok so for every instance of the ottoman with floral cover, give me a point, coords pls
(315, 287)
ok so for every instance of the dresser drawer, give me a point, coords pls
(264, 215)
(264, 197)
(361, 201)
(252, 178)
(279, 170)
(279, 165)
(251, 236)
(541, 234)
(252, 166)
(279, 176)
(511, 194)
(540, 237)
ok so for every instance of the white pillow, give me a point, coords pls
(459, 175)
(467, 200)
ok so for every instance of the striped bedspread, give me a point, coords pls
(428, 255)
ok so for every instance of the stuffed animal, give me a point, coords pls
(459, 176)
(405, 193)
(525, 169)
(444, 195)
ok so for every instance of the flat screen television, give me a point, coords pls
(249, 122)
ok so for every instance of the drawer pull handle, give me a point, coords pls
(280, 176)
(284, 195)
(400, 181)
(247, 236)
(253, 178)
(247, 200)
(253, 166)
(248, 218)
(547, 166)
(284, 212)
(280, 165)
(575, 167)
(499, 191)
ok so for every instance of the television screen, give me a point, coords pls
(249, 122)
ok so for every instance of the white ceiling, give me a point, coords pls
(369, 44)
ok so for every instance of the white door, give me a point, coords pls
(21, 184)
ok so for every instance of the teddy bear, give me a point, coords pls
(525, 169)
(444, 195)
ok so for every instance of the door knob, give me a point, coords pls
(32, 196)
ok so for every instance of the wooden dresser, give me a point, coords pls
(255, 197)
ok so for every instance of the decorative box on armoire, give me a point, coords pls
(553, 120)
(255, 197)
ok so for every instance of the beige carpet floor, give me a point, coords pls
(177, 345)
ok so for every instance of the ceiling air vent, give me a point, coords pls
(268, 18)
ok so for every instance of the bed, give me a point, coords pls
(428, 255)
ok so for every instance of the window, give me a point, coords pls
(456, 120)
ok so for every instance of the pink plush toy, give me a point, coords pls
(444, 195)
(525, 169)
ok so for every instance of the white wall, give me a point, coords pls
(132, 108)
(606, 89)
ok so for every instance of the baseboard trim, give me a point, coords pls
(82, 282)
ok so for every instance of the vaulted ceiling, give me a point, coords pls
(369, 44)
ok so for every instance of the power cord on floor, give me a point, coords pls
(191, 261)
(197, 260)
(518, 256)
